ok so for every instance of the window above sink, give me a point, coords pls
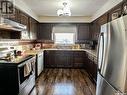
(64, 38)
(64, 34)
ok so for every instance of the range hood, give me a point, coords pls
(11, 25)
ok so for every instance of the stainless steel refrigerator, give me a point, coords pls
(112, 58)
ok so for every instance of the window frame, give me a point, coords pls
(74, 40)
(65, 25)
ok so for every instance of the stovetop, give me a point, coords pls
(15, 59)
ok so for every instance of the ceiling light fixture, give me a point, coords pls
(65, 11)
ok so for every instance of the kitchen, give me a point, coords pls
(69, 48)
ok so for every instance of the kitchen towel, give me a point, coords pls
(27, 69)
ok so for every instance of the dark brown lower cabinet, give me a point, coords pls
(71, 59)
(49, 59)
(65, 59)
(58, 59)
(95, 71)
(91, 67)
(79, 59)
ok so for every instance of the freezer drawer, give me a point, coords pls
(104, 88)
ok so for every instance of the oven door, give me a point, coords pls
(21, 70)
(26, 83)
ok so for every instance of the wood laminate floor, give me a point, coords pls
(64, 82)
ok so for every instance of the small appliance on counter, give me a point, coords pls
(89, 45)
(93, 44)
(85, 46)
(38, 46)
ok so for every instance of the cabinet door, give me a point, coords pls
(90, 67)
(14, 17)
(79, 59)
(64, 59)
(58, 59)
(24, 18)
(83, 32)
(96, 25)
(25, 21)
(49, 59)
(33, 28)
(94, 71)
(115, 12)
(103, 19)
(95, 30)
(124, 7)
(45, 32)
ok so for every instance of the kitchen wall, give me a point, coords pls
(20, 4)
(87, 31)
(20, 45)
(109, 5)
(23, 17)
(16, 39)
(45, 30)
(25, 8)
(71, 19)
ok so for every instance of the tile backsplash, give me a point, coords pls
(16, 45)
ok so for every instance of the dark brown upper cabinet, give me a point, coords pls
(24, 19)
(15, 16)
(44, 31)
(83, 32)
(95, 26)
(115, 12)
(94, 30)
(33, 28)
(124, 7)
(103, 19)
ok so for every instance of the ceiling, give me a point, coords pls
(78, 7)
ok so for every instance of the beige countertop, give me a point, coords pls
(93, 52)
(66, 49)
(34, 52)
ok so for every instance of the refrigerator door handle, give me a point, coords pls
(101, 37)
